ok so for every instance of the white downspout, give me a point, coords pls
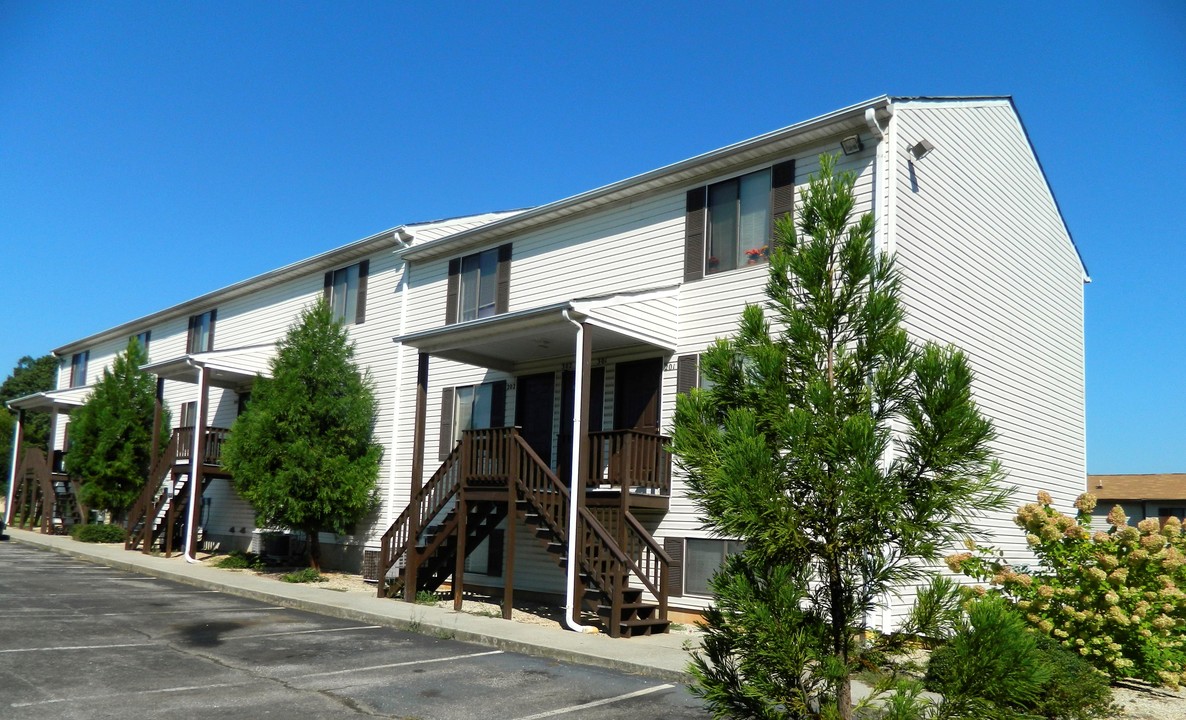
(404, 238)
(16, 434)
(193, 464)
(570, 609)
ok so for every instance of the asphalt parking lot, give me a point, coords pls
(87, 641)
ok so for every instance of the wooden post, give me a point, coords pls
(157, 412)
(411, 557)
(462, 510)
(512, 523)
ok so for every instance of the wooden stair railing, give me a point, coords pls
(432, 498)
(152, 498)
(605, 566)
(33, 496)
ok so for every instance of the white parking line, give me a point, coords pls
(303, 632)
(82, 698)
(595, 703)
(80, 614)
(398, 664)
(76, 647)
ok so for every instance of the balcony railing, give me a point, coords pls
(212, 455)
(629, 459)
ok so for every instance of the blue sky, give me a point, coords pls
(151, 152)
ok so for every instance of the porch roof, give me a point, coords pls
(233, 369)
(63, 400)
(505, 341)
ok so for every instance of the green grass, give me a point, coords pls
(308, 575)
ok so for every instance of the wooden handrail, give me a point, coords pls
(148, 496)
(433, 496)
(215, 437)
(629, 459)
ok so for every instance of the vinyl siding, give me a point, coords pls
(987, 266)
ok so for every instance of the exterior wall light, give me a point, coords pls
(921, 149)
(851, 145)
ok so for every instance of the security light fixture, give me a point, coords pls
(921, 149)
(851, 145)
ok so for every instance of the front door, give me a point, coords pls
(636, 395)
(533, 412)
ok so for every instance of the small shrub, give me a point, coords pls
(98, 533)
(991, 666)
(1076, 690)
(236, 560)
(308, 575)
(424, 597)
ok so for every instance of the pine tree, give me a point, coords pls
(111, 434)
(844, 457)
(303, 454)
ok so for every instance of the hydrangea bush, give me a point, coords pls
(1114, 597)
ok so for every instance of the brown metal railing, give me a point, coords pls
(631, 460)
(215, 437)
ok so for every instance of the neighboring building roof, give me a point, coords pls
(1160, 486)
(52, 400)
(411, 233)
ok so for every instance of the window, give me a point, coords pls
(738, 222)
(479, 285)
(201, 332)
(78, 368)
(729, 224)
(189, 414)
(143, 339)
(702, 558)
(470, 407)
(346, 292)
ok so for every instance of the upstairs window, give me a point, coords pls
(730, 224)
(78, 368)
(738, 222)
(201, 332)
(479, 285)
(143, 339)
(346, 292)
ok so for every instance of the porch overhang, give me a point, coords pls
(233, 369)
(58, 401)
(504, 342)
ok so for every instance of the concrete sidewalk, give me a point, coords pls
(659, 656)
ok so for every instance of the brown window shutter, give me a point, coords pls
(498, 404)
(327, 288)
(502, 296)
(189, 337)
(446, 443)
(694, 217)
(674, 547)
(782, 190)
(360, 314)
(453, 291)
(687, 373)
(213, 316)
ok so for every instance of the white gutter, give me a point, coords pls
(193, 462)
(16, 434)
(570, 609)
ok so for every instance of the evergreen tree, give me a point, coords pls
(28, 377)
(111, 434)
(844, 457)
(303, 454)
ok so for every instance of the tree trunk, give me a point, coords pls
(840, 642)
(314, 549)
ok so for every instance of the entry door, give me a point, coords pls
(636, 395)
(533, 412)
(567, 403)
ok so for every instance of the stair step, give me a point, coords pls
(639, 628)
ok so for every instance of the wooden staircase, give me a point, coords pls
(157, 518)
(622, 573)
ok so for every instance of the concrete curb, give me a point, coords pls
(661, 657)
